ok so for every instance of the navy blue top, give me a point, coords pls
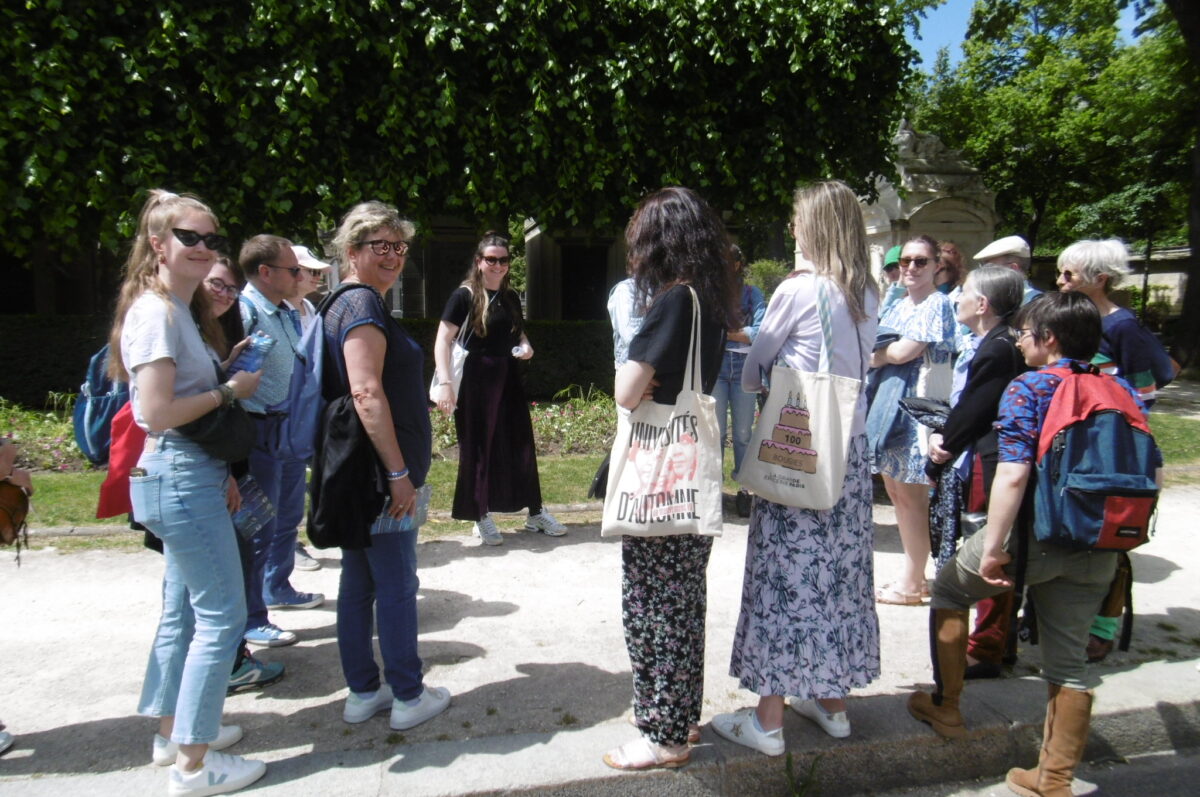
(403, 373)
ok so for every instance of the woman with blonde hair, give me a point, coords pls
(378, 367)
(497, 463)
(164, 343)
(807, 626)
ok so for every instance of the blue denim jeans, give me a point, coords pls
(282, 481)
(181, 499)
(729, 394)
(380, 583)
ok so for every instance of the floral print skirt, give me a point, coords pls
(663, 603)
(807, 625)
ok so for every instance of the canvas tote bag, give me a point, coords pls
(664, 472)
(797, 453)
(458, 355)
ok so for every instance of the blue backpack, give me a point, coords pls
(1096, 462)
(99, 399)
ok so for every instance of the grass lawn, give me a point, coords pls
(69, 499)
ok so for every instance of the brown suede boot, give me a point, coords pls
(1068, 714)
(948, 643)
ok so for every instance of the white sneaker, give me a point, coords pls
(545, 523)
(164, 751)
(361, 706)
(219, 774)
(6, 740)
(433, 701)
(742, 727)
(836, 725)
(486, 531)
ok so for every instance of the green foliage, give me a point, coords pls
(46, 438)
(283, 113)
(766, 275)
(1078, 133)
(1131, 296)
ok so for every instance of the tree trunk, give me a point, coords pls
(1186, 340)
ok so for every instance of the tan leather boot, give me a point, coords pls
(1068, 714)
(948, 640)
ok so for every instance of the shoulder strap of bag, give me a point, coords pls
(823, 315)
(467, 326)
(693, 360)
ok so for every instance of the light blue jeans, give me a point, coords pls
(729, 394)
(379, 584)
(181, 499)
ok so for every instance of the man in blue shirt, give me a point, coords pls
(272, 269)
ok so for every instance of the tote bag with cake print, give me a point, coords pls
(797, 453)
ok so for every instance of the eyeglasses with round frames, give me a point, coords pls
(381, 247)
(497, 261)
(217, 285)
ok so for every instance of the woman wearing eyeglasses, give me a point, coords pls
(380, 369)
(167, 352)
(918, 364)
(497, 464)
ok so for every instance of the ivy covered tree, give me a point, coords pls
(282, 113)
(1079, 135)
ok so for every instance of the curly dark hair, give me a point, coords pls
(675, 237)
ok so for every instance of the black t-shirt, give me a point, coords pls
(663, 341)
(500, 339)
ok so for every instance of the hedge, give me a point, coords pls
(50, 353)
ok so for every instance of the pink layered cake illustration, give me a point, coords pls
(790, 441)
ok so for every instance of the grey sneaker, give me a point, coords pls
(486, 531)
(545, 523)
(304, 560)
(361, 706)
(431, 703)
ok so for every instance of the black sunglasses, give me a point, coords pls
(293, 270)
(381, 247)
(497, 261)
(214, 242)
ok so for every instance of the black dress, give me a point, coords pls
(497, 464)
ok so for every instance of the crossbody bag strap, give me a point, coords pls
(823, 315)
(467, 327)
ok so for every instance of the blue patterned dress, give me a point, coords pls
(807, 625)
(932, 321)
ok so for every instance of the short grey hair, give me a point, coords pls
(1093, 259)
(360, 222)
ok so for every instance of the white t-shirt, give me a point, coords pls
(158, 329)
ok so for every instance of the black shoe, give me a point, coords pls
(982, 669)
(742, 502)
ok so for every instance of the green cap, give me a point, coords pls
(892, 258)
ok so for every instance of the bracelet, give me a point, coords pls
(397, 475)
(227, 394)
(445, 382)
(219, 398)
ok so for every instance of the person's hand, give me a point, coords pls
(404, 497)
(233, 496)
(879, 358)
(238, 348)
(737, 335)
(526, 351)
(938, 454)
(444, 398)
(991, 568)
(648, 393)
(22, 479)
(245, 383)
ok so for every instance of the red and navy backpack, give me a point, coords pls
(1096, 464)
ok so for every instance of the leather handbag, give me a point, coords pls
(225, 433)
(14, 506)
